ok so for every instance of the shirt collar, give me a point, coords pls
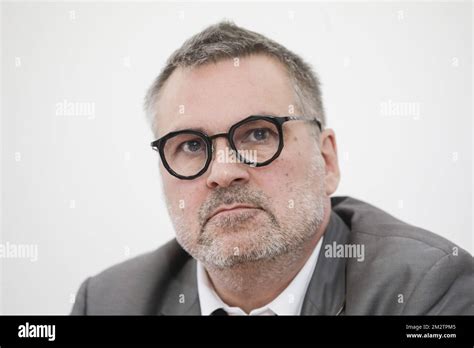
(289, 302)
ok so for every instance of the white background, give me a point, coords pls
(86, 190)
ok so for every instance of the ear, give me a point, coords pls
(329, 152)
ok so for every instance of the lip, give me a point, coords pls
(230, 208)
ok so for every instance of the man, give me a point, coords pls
(248, 169)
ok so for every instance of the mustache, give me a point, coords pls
(233, 195)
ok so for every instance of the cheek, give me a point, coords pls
(282, 178)
(184, 198)
(288, 168)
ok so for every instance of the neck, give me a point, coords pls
(255, 284)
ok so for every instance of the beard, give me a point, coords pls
(252, 235)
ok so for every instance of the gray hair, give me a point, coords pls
(227, 40)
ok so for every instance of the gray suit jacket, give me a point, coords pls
(406, 270)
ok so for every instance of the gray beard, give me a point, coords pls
(273, 238)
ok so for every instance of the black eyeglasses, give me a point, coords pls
(256, 141)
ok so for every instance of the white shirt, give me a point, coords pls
(289, 302)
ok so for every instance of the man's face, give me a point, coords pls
(285, 202)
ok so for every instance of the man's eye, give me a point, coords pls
(192, 146)
(258, 134)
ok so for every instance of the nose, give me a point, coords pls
(224, 169)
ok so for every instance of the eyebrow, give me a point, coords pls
(201, 129)
(266, 113)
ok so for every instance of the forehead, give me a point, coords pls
(216, 95)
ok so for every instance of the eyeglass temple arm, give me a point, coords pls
(296, 118)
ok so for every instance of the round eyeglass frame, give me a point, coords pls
(159, 144)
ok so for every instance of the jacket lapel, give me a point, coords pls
(181, 296)
(327, 288)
